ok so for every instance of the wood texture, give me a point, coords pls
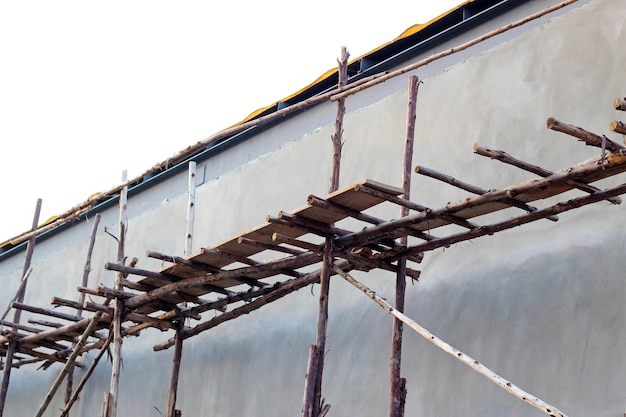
(583, 135)
(618, 127)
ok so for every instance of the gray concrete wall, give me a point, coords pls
(542, 305)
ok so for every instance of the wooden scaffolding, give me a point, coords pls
(329, 236)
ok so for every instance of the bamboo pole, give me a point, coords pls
(508, 159)
(81, 296)
(178, 352)
(397, 392)
(191, 202)
(110, 405)
(460, 356)
(8, 365)
(341, 95)
(69, 364)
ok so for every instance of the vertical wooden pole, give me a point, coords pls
(190, 208)
(397, 383)
(337, 137)
(309, 382)
(81, 298)
(8, 364)
(322, 323)
(110, 405)
(312, 406)
(178, 352)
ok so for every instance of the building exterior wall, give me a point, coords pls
(540, 305)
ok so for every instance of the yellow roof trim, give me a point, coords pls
(408, 32)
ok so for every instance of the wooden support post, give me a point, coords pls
(178, 351)
(81, 297)
(309, 381)
(460, 356)
(8, 364)
(337, 137)
(620, 104)
(191, 204)
(322, 323)
(397, 391)
(110, 404)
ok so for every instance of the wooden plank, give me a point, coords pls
(348, 196)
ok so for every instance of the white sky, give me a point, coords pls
(88, 89)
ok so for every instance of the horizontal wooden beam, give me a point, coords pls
(508, 159)
(589, 138)
(520, 220)
(278, 291)
(593, 169)
(289, 262)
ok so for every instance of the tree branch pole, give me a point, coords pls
(460, 356)
(508, 159)
(110, 406)
(317, 352)
(337, 137)
(397, 384)
(8, 364)
(178, 352)
(81, 297)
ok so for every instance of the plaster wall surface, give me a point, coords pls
(541, 305)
